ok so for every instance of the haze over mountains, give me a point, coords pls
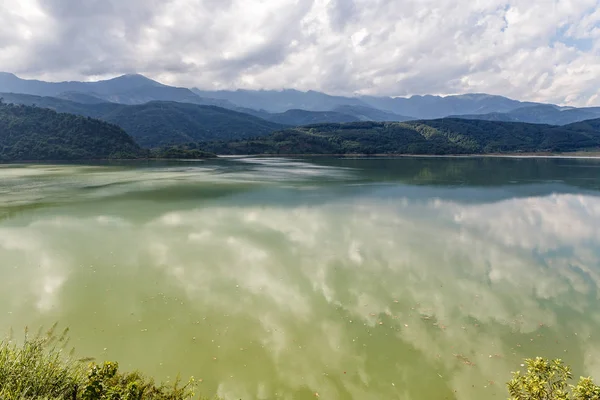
(275, 106)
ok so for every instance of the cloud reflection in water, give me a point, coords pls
(359, 297)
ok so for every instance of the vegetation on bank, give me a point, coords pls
(443, 136)
(40, 368)
(32, 133)
(549, 380)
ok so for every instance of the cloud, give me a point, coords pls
(547, 50)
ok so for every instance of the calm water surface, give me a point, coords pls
(414, 278)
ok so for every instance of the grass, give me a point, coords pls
(39, 367)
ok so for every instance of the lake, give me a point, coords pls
(274, 278)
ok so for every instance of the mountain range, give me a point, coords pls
(135, 117)
(30, 133)
(126, 89)
(540, 114)
(293, 107)
(160, 123)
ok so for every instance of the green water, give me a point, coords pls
(413, 278)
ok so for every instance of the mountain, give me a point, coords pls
(88, 109)
(126, 89)
(370, 114)
(78, 97)
(33, 133)
(588, 127)
(431, 107)
(540, 114)
(156, 124)
(340, 114)
(442, 136)
(421, 107)
(12, 83)
(277, 101)
(162, 123)
(137, 89)
(303, 117)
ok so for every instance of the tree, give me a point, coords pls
(548, 380)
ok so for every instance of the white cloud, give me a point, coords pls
(520, 48)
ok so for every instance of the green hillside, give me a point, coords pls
(32, 133)
(161, 123)
(158, 124)
(590, 126)
(540, 114)
(87, 109)
(443, 136)
(304, 117)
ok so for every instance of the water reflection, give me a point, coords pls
(353, 283)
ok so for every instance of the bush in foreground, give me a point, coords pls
(549, 380)
(38, 368)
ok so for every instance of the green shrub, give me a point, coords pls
(549, 380)
(40, 368)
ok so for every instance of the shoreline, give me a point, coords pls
(574, 155)
(570, 155)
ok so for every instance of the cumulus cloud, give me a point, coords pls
(545, 50)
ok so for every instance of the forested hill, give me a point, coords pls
(442, 136)
(32, 133)
(161, 123)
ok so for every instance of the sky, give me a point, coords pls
(536, 50)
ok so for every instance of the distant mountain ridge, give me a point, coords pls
(137, 89)
(126, 89)
(540, 114)
(278, 101)
(371, 114)
(294, 107)
(415, 107)
(433, 107)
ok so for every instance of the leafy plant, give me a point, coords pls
(549, 380)
(40, 368)
(104, 382)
